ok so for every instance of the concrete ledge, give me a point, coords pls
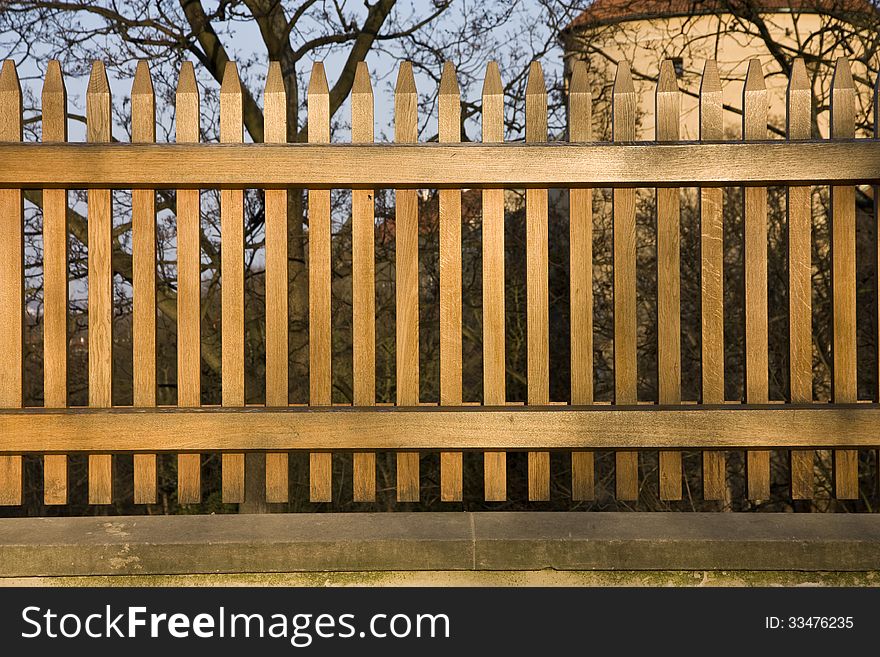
(513, 542)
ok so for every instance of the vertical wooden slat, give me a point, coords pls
(494, 387)
(668, 118)
(625, 374)
(537, 289)
(363, 235)
(450, 283)
(275, 131)
(712, 279)
(188, 286)
(320, 484)
(55, 337)
(100, 284)
(232, 282)
(580, 125)
(11, 284)
(755, 105)
(143, 229)
(407, 280)
(843, 280)
(877, 263)
(799, 278)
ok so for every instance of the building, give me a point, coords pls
(689, 32)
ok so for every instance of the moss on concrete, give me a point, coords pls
(474, 578)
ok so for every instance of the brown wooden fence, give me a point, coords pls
(714, 425)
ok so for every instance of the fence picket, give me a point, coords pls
(55, 334)
(275, 132)
(100, 284)
(11, 283)
(143, 230)
(537, 290)
(494, 373)
(800, 273)
(363, 236)
(877, 264)
(189, 286)
(580, 104)
(320, 463)
(712, 280)
(625, 326)
(450, 283)
(406, 221)
(232, 283)
(755, 105)
(668, 118)
(844, 388)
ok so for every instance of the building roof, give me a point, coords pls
(616, 11)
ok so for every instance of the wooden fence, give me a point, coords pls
(629, 424)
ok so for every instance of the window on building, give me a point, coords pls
(678, 65)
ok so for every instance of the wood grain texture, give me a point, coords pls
(232, 283)
(712, 279)
(449, 131)
(800, 271)
(143, 230)
(11, 284)
(580, 125)
(363, 235)
(320, 464)
(406, 217)
(277, 323)
(100, 284)
(557, 427)
(494, 358)
(441, 166)
(55, 332)
(877, 264)
(668, 129)
(843, 280)
(625, 323)
(755, 105)
(537, 290)
(188, 286)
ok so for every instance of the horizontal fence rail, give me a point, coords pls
(443, 166)
(753, 424)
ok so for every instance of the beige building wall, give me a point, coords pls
(645, 43)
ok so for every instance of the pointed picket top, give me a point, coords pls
(362, 85)
(274, 106)
(536, 85)
(187, 100)
(492, 85)
(143, 105)
(318, 81)
(493, 105)
(54, 103)
(799, 101)
(98, 104)
(405, 105)
(843, 101)
(98, 83)
(668, 104)
(623, 105)
(755, 102)
(406, 81)
(536, 104)
(362, 105)
(623, 82)
(580, 81)
(231, 85)
(449, 105)
(580, 104)
(711, 104)
(143, 81)
(186, 82)
(10, 103)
